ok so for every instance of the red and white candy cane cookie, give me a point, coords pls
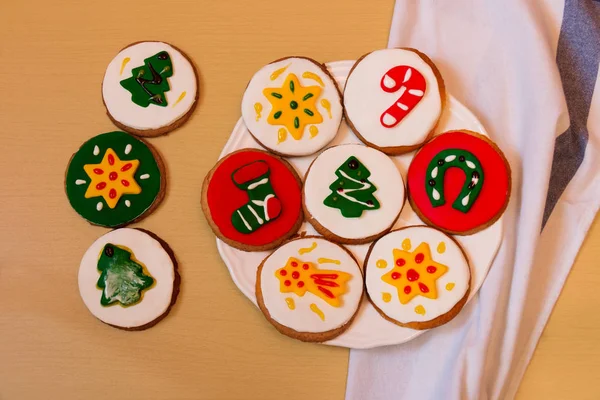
(459, 182)
(393, 99)
(253, 200)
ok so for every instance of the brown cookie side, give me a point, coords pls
(332, 236)
(165, 129)
(398, 150)
(492, 220)
(439, 320)
(323, 68)
(304, 336)
(233, 243)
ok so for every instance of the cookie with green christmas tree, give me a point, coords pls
(353, 194)
(128, 279)
(115, 179)
(150, 88)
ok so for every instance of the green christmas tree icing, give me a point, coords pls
(148, 83)
(121, 278)
(352, 192)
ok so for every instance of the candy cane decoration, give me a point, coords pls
(411, 86)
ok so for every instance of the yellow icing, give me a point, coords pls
(278, 72)
(328, 261)
(123, 64)
(381, 263)
(290, 303)
(406, 245)
(305, 250)
(441, 248)
(386, 297)
(181, 96)
(450, 286)
(314, 77)
(281, 135)
(326, 105)
(420, 310)
(314, 131)
(317, 310)
(258, 109)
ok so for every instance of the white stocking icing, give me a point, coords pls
(366, 101)
(118, 99)
(451, 286)
(384, 176)
(155, 300)
(258, 106)
(302, 318)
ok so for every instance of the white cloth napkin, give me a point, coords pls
(528, 70)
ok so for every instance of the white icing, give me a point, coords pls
(99, 206)
(470, 164)
(259, 219)
(458, 273)
(80, 182)
(388, 82)
(268, 134)
(257, 184)
(127, 149)
(302, 319)
(366, 101)
(156, 299)
(384, 175)
(244, 221)
(450, 158)
(434, 172)
(465, 199)
(118, 100)
(96, 150)
(127, 203)
(145, 176)
(435, 194)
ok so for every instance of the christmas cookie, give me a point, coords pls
(115, 179)
(292, 106)
(252, 200)
(459, 182)
(353, 194)
(393, 99)
(150, 88)
(417, 277)
(309, 289)
(128, 279)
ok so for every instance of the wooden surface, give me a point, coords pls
(215, 344)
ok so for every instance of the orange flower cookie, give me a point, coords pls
(309, 289)
(417, 277)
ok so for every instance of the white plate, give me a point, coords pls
(369, 329)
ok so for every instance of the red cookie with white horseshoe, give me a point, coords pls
(393, 99)
(459, 182)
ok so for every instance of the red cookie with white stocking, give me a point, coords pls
(393, 99)
(459, 182)
(252, 200)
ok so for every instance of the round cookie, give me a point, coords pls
(252, 200)
(292, 106)
(393, 99)
(309, 289)
(459, 182)
(115, 179)
(417, 277)
(353, 194)
(150, 88)
(128, 279)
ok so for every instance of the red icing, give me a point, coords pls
(411, 86)
(101, 185)
(223, 198)
(273, 207)
(111, 159)
(300, 284)
(249, 172)
(287, 283)
(412, 275)
(396, 275)
(324, 276)
(304, 266)
(326, 283)
(126, 167)
(113, 176)
(419, 258)
(407, 289)
(327, 292)
(112, 194)
(423, 287)
(400, 262)
(283, 272)
(295, 274)
(98, 171)
(124, 182)
(493, 195)
(431, 269)
(295, 264)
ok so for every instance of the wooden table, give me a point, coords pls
(214, 344)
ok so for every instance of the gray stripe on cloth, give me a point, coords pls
(577, 57)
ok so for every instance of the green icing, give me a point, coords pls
(352, 192)
(436, 170)
(138, 203)
(121, 279)
(148, 83)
